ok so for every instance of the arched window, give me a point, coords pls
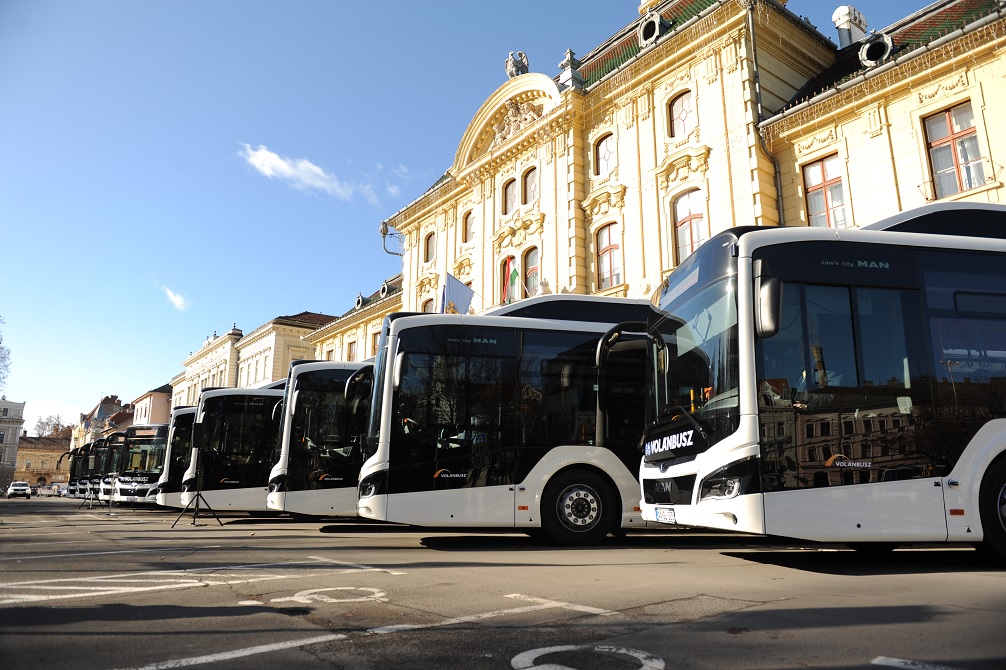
(428, 306)
(530, 186)
(509, 280)
(681, 116)
(468, 227)
(825, 195)
(609, 257)
(690, 229)
(604, 155)
(510, 196)
(531, 271)
(430, 247)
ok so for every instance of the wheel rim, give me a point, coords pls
(579, 507)
(1001, 499)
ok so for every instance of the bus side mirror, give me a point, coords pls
(768, 302)
(399, 364)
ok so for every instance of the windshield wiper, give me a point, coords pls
(671, 414)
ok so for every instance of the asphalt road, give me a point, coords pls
(123, 589)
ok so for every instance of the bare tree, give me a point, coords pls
(52, 426)
(4, 360)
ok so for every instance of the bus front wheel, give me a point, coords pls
(578, 508)
(992, 509)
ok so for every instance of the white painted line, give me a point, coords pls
(239, 653)
(540, 604)
(909, 665)
(126, 583)
(103, 553)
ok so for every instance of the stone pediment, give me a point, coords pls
(506, 115)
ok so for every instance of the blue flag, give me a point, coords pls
(455, 297)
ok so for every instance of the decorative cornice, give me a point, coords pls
(681, 165)
(602, 200)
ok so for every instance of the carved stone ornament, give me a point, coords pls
(515, 66)
(517, 233)
(426, 283)
(603, 200)
(680, 166)
(519, 115)
(463, 267)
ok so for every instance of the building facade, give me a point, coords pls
(152, 407)
(236, 360)
(11, 425)
(40, 462)
(698, 116)
(355, 334)
(97, 422)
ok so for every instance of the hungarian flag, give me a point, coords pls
(510, 281)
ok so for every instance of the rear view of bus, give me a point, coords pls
(318, 458)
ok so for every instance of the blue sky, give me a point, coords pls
(170, 168)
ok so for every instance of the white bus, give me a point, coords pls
(233, 437)
(317, 461)
(492, 420)
(835, 385)
(141, 464)
(177, 456)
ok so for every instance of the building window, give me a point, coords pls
(689, 223)
(604, 155)
(351, 351)
(3, 437)
(329, 354)
(374, 341)
(953, 151)
(825, 195)
(682, 116)
(428, 306)
(509, 280)
(530, 186)
(609, 257)
(468, 228)
(510, 196)
(430, 247)
(531, 271)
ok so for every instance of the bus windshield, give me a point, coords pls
(147, 445)
(694, 369)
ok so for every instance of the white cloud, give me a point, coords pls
(393, 189)
(303, 174)
(176, 299)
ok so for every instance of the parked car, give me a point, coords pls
(19, 489)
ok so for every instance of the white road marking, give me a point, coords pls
(525, 660)
(306, 597)
(540, 604)
(239, 653)
(908, 665)
(161, 580)
(103, 553)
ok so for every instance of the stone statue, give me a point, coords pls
(516, 66)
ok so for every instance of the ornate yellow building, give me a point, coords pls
(698, 116)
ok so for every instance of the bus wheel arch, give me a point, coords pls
(579, 507)
(992, 508)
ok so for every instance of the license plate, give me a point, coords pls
(130, 498)
(665, 515)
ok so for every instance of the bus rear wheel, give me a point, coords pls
(578, 508)
(992, 509)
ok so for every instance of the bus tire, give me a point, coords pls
(577, 508)
(992, 510)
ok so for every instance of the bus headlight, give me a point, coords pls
(731, 481)
(374, 485)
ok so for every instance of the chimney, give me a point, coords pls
(851, 25)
